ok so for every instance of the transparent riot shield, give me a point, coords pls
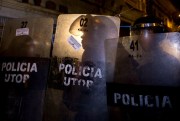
(77, 85)
(146, 78)
(110, 57)
(24, 65)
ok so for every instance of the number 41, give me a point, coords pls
(134, 45)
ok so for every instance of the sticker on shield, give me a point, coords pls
(78, 71)
(74, 43)
(22, 31)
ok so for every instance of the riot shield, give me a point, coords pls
(24, 63)
(146, 78)
(77, 86)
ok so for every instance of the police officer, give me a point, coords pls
(156, 67)
(90, 103)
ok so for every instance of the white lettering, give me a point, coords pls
(7, 78)
(16, 78)
(33, 68)
(66, 81)
(3, 66)
(157, 101)
(74, 80)
(125, 99)
(68, 69)
(18, 66)
(148, 101)
(166, 101)
(141, 100)
(117, 97)
(23, 67)
(8, 67)
(133, 102)
(146, 98)
(19, 78)
(80, 82)
(61, 67)
(98, 73)
(85, 71)
(83, 82)
(25, 78)
(89, 83)
(74, 71)
(13, 68)
(12, 77)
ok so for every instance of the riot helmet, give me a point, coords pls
(94, 30)
(146, 28)
(147, 23)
